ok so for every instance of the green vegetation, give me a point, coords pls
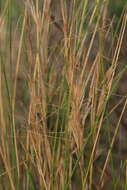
(62, 103)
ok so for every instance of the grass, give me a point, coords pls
(60, 72)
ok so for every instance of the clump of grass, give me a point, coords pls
(58, 77)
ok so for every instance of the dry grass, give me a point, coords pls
(60, 66)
